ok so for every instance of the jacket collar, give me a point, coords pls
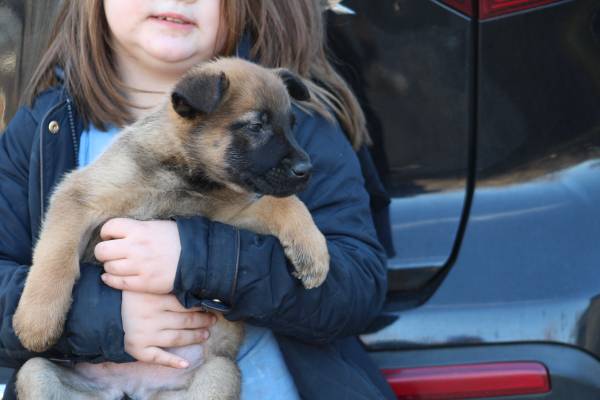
(244, 46)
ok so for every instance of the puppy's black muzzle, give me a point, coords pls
(289, 177)
(280, 167)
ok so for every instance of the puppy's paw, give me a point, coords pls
(37, 326)
(310, 257)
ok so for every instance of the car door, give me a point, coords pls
(410, 63)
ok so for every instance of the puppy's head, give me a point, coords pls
(234, 121)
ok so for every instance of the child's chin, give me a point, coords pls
(177, 51)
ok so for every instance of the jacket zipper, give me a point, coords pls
(71, 118)
(73, 133)
(237, 266)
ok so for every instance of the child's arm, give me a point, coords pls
(251, 272)
(94, 328)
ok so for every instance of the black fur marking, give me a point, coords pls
(195, 180)
(269, 155)
(238, 125)
(296, 88)
(199, 94)
(181, 106)
(265, 170)
(201, 184)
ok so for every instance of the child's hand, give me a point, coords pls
(139, 256)
(152, 322)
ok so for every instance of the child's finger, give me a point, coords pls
(187, 320)
(111, 250)
(122, 267)
(129, 283)
(157, 355)
(180, 337)
(117, 228)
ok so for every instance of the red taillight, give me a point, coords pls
(469, 381)
(494, 8)
(466, 6)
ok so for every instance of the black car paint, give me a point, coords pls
(524, 265)
(527, 267)
(411, 68)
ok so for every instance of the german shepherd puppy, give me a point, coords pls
(222, 147)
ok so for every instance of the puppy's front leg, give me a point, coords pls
(290, 221)
(46, 298)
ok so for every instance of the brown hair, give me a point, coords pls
(288, 34)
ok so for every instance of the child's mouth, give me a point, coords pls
(174, 20)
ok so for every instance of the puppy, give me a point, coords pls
(222, 147)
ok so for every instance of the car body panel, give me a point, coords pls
(418, 116)
(527, 269)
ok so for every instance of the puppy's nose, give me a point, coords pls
(301, 169)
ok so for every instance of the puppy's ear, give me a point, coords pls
(199, 94)
(296, 88)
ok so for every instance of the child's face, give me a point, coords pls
(172, 35)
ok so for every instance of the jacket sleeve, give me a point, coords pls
(250, 271)
(93, 330)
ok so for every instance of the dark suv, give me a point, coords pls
(486, 124)
(485, 118)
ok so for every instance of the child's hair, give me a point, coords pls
(286, 34)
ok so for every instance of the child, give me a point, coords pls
(109, 62)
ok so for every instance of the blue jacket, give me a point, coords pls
(248, 273)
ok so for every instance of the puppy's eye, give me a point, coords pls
(255, 126)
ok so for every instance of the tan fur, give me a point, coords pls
(138, 177)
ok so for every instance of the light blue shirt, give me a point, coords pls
(264, 373)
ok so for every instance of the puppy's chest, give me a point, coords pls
(152, 201)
